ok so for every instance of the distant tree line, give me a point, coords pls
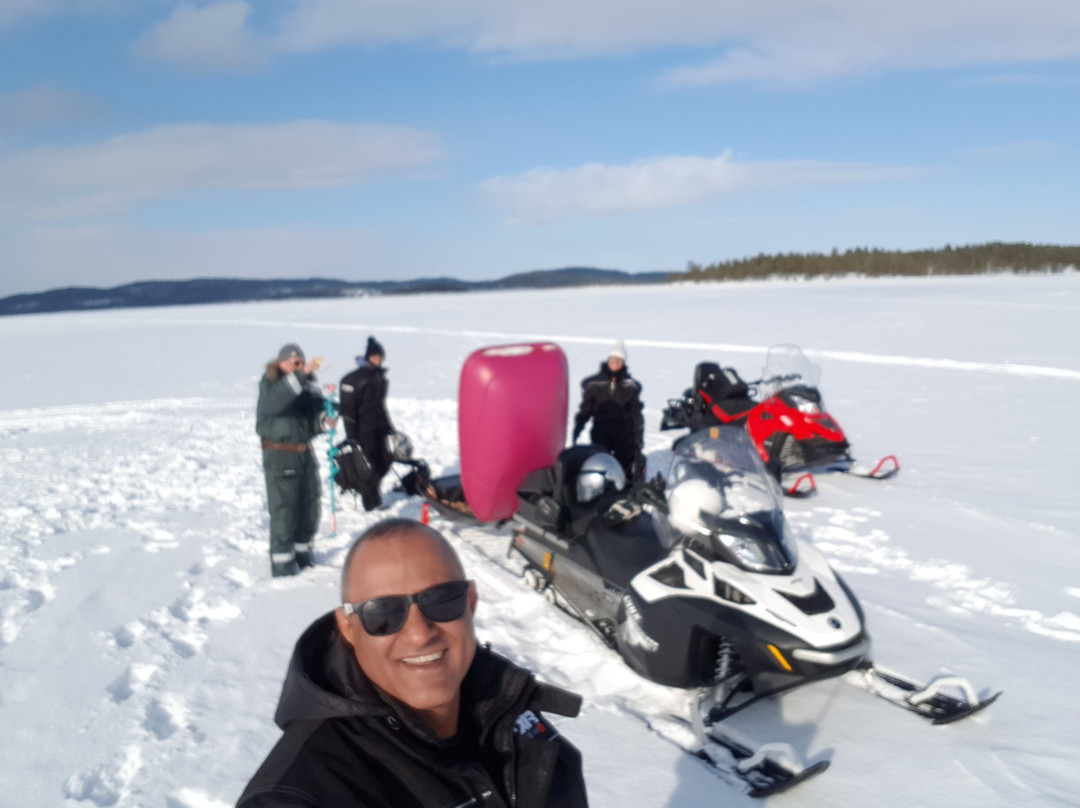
(969, 260)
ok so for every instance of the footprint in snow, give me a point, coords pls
(131, 681)
(165, 716)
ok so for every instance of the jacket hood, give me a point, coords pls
(324, 681)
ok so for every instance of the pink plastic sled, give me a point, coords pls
(512, 407)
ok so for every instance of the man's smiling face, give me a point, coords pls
(424, 663)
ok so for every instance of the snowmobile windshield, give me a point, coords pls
(725, 503)
(786, 366)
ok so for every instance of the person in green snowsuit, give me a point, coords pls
(290, 412)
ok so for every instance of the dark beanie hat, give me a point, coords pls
(290, 350)
(374, 348)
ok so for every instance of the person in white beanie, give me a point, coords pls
(612, 400)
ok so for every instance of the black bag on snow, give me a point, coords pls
(353, 470)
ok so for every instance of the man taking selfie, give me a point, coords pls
(390, 703)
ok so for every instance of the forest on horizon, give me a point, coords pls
(948, 260)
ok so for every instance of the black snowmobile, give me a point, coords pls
(702, 585)
(702, 588)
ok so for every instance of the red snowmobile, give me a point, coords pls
(784, 414)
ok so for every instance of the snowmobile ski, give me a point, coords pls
(887, 467)
(767, 769)
(929, 700)
(799, 486)
(763, 769)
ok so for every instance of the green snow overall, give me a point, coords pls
(288, 416)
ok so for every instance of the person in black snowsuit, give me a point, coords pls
(372, 721)
(363, 408)
(612, 399)
(290, 412)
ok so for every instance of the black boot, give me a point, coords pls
(371, 498)
(285, 569)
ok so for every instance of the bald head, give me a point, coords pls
(394, 529)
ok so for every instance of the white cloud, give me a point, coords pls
(213, 37)
(547, 194)
(45, 105)
(14, 12)
(775, 40)
(788, 41)
(101, 179)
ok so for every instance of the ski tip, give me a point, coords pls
(804, 486)
(783, 784)
(969, 709)
(887, 467)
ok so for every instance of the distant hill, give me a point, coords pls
(862, 262)
(236, 290)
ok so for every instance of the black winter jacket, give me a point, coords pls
(363, 408)
(612, 400)
(347, 745)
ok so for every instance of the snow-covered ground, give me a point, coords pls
(143, 644)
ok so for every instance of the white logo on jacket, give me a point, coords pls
(531, 725)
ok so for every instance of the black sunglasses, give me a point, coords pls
(441, 603)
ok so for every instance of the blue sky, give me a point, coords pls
(379, 139)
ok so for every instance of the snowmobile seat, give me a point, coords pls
(548, 496)
(536, 500)
(724, 389)
(705, 373)
(719, 382)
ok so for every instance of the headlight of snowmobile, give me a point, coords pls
(804, 405)
(754, 555)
